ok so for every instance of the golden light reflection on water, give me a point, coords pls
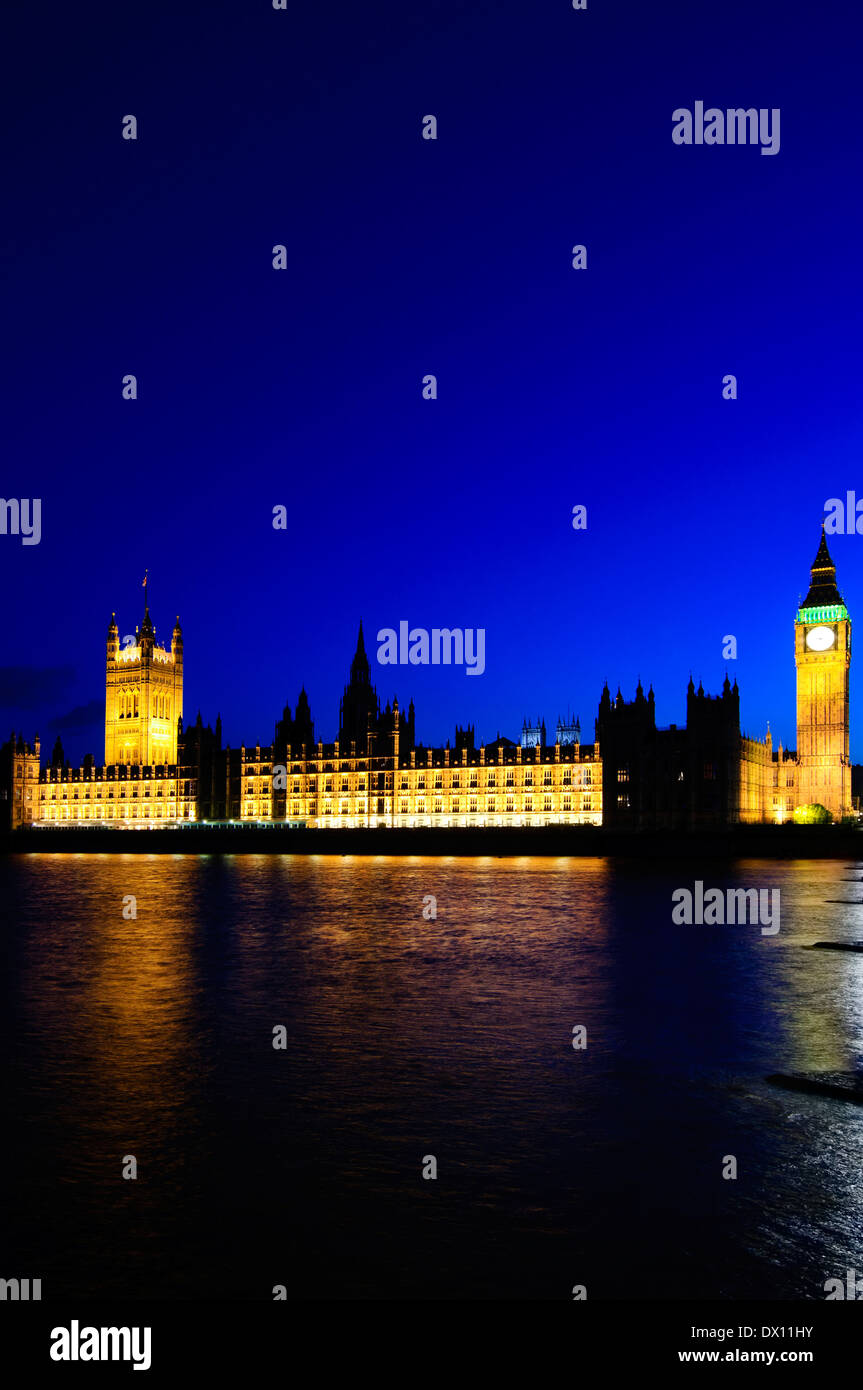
(125, 994)
(818, 994)
(153, 1036)
(113, 998)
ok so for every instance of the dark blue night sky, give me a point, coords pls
(406, 257)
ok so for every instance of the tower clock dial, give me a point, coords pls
(820, 639)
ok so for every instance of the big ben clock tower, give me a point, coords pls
(822, 654)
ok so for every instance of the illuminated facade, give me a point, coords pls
(140, 783)
(494, 786)
(119, 795)
(143, 696)
(375, 775)
(822, 654)
(19, 782)
(633, 776)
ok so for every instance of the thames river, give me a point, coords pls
(409, 1038)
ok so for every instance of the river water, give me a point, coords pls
(409, 1038)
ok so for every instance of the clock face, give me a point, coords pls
(820, 639)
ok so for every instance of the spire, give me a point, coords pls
(147, 624)
(822, 587)
(360, 669)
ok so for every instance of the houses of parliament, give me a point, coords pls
(160, 772)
